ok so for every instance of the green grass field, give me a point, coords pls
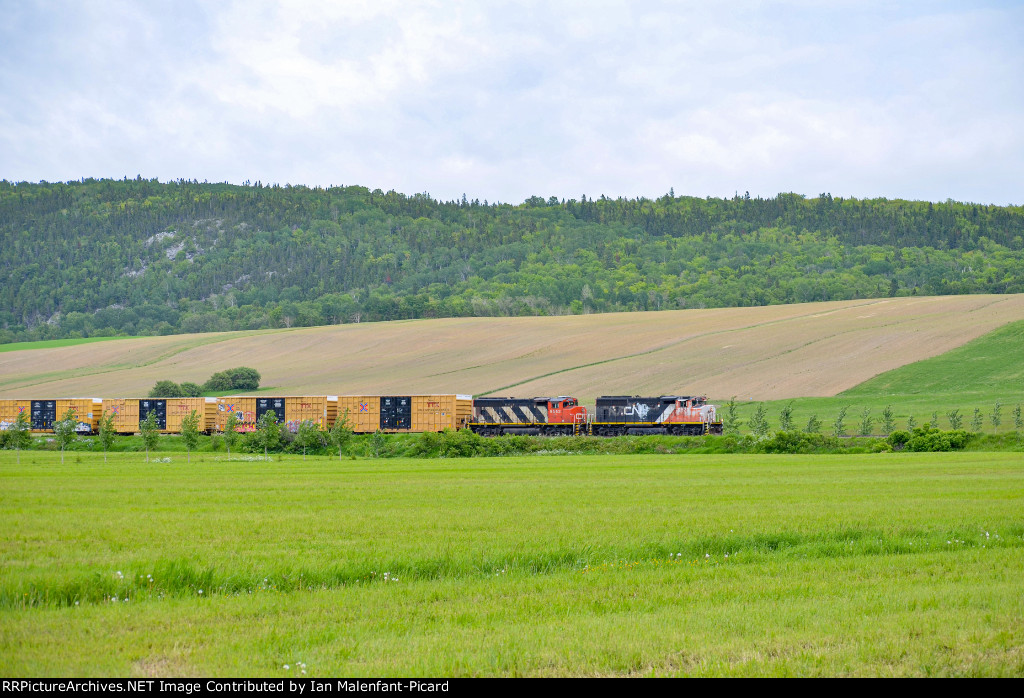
(883, 564)
(54, 343)
(987, 370)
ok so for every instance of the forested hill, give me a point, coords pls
(103, 257)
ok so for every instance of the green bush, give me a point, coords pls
(218, 383)
(165, 389)
(463, 443)
(928, 438)
(898, 439)
(191, 390)
(244, 378)
(797, 442)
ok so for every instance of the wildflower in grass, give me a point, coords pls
(286, 667)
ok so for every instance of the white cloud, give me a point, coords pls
(502, 101)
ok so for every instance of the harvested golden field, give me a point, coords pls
(773, 352)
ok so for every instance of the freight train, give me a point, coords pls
(614, 415)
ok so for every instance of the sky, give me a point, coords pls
(506, 100)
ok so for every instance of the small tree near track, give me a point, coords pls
(106, 433)
(65, 432)
(977, 420)
(732, 419)
(190, 433)
(786, 417)
(20, 434)
(888, 420)
(341, 433)
(150, 433)
(956, 420)
(838, 427)
(267, 432)
(307, 436)
(996, 417)
(231, 432)
(759, 422)
(866, 422)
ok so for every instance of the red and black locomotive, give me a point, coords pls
(614, 415)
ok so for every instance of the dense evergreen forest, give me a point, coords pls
(137, 257)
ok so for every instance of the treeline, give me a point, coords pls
(141, 257)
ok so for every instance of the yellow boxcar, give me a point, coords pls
(178, 408)
(86, 411)
(9, 410)
(362, 412)
(43, 414)
(440, 412)
(395, 414)
(169, 412)
(290, 410)
(125, 412)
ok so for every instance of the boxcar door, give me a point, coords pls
(270, 404)
(404, 413)
(396, 412)
(44, 414)
(158, 408)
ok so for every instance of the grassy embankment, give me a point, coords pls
(975, 375)
(880, 564)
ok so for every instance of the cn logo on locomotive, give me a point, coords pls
(639, 409)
